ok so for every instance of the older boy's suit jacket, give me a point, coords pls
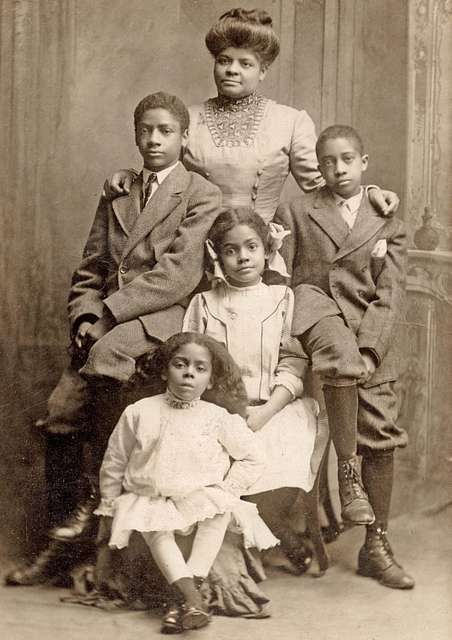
(145, 264)
(358, 273)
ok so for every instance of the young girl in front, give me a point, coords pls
(167, 470)
(253, 320)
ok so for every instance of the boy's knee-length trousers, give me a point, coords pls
(336, 358)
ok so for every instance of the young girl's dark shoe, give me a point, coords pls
(376, 560)
(171, 621)
(194, 617)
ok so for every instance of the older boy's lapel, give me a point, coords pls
(127, 208)
(162, 203)
(326, 214)
(367, 223)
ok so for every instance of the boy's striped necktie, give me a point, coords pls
(148, 189)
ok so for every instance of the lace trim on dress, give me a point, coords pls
(177, 403)
(234, 122)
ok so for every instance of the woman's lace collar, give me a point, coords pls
(234, 122)
(236, 104)
(177, 403)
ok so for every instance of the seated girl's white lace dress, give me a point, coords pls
(167, 467)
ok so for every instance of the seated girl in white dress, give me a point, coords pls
(167, 470)
(253, 320)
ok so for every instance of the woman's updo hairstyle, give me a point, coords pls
(245, 29)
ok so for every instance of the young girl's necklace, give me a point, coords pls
(177, 403)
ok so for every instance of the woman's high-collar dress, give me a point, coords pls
(247, 147)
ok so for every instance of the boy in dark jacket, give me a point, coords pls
(348, 274)
(143, 258)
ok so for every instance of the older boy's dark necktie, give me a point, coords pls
(148, 189)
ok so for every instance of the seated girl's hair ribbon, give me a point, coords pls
(214, 270)
(275, 261)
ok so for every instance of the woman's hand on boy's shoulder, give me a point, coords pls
(385, 202)
(118, 184)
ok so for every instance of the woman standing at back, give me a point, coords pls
(242, 141)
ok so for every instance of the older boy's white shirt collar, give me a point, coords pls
(349, 206)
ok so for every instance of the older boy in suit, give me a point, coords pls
(143, 258)
(348, 275)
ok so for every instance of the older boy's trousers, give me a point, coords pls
(111, 360)
(85, 408)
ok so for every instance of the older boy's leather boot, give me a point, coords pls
(81, 523)
(106, 407)
(376, 560)
(54, 562)
(63, 466)
(44, 567)
(355, 504)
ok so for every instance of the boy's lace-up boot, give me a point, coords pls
(356, 508)
(81, 523)
(376, 560)
(53, 565)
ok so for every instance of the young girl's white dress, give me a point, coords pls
(167, 467)
(254, 324)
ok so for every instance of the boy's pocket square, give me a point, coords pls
(380, 249)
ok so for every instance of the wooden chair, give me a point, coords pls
(319, 498)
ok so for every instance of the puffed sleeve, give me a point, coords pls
(116, 458)
(293, 362)
(248, 453)
(195, 318)
(302, 157)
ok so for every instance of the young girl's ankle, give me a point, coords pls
(190, 592)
